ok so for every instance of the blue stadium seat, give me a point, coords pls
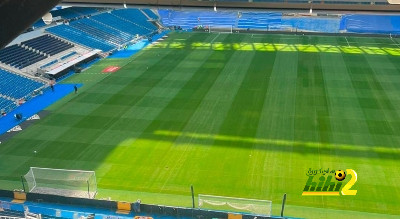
(84, 10)
(150, 13)
(190, 19)
(102, 31)
(106, 31)
(12, 213)
(73, 12)
(66, 13)
(260, 20)
(47, 44)
(6, 103)
(69, 55)
(135, 16)
(19, 57)
(16, 86)
(80, 37)
(121, 24)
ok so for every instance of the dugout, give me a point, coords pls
(64, 69)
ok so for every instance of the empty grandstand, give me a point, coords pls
(20, 57)
(16, 86)
(106, 31)
(80, 37)
(47, 44)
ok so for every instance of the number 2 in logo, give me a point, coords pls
(346, 189)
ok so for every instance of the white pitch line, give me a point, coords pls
(347, 41)
(214, 38)
(395, 42)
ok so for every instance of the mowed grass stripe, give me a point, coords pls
(345, 113)
(371, 106)
(167, 90)
(194, 153)
(59, 150)
(361, 161)
(183, 146)
(241, 119)
(92, 127)
(256, 89)
(381, 67)
(271, 162)
(195, 126)
(196, 91)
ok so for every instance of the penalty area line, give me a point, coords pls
(395, 42)
(215, 38)
(348, 44)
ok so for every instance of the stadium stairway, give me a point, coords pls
(133, 49)
(150, 14)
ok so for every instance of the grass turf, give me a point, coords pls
(233, 115)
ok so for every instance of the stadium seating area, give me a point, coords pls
(251, 20)
(8, 214)
(68, 55)
(150, 13)
(5, 103)
(106, 31)
(135, 16)
(80, 37)
(73, 12)
(19, 57)
(15, 86)
(260, 20)
(49, 64)
(69, 13)
(102, 31)
(327, 25)
(191, 19)
(121, 25)
(12, 213)
(47, 44)
(367, 23)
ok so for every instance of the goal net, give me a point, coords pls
(220, 29)
(235, 205)
(71, 183)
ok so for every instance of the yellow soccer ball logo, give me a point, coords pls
(340, 175)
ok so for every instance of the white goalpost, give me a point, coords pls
(220, 29)
(71, 183)
(235, 205)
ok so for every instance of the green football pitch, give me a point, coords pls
(236, 115)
